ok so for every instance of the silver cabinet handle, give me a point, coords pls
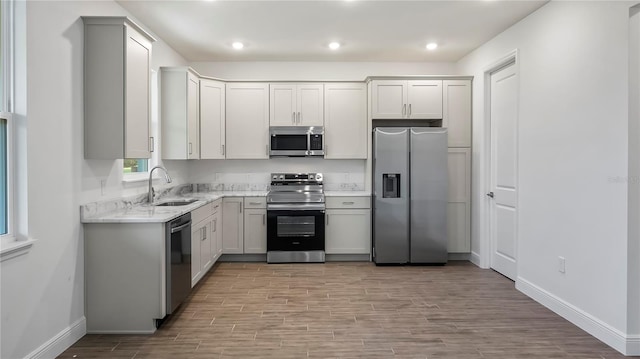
(293, 117)
(264, 219)
(299, 118)
(215, 225)
(409, 110)
(348, 203)
(204, 233)
(490, 194)
(404, 109)
(190, 148)
(240, 208)
(152, 144)
(327, 219)
(223, 150)
(255, 203)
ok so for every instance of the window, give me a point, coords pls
(135, 165)
(6, 104)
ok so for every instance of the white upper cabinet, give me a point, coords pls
(406, 99)
(296, 104)
(345, 109)
(424, 99)
(117, 83)
(456, 117)
(388, 100)
(212, 119)
(247, 123)
(179, 113)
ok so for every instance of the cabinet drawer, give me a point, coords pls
(199, 214)
(255, 202)
(348, 202)
(217, 205)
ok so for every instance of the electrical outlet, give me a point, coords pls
(561, 264)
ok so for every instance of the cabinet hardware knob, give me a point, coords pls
(490, 194)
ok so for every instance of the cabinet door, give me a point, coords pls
(216, 236)
(255, 231)
(346, 121)
(247, 123)
(137, 93)
(196, 268)
(282, 109)
(388, 99)
(456, 116)
(193, 116)
(206, 259)
(424, 98)
(232, 226)
(459, 200)
(348, 231)
(310, 100)
(212, 119)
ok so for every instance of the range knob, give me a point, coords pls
(275, 177)
(318, 176)
(281, 177)
(310, 176)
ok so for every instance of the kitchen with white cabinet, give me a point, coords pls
(106, 82)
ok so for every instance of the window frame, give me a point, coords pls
(7, 53)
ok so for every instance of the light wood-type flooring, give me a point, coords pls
(353, 310)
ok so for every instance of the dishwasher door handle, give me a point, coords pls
(178, 229)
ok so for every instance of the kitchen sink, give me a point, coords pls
(176, 203)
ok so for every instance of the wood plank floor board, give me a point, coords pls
(353, 310)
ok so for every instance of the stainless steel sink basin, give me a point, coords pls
(176, 203)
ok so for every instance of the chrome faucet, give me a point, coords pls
(166, 178)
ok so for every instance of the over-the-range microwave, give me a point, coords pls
(296, 141)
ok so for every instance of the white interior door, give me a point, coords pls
(503, 191)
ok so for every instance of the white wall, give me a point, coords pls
(305, 71)
(573, 149)
(43, 291)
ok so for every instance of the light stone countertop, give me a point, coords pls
(144, 213)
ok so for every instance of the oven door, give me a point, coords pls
(295, 230)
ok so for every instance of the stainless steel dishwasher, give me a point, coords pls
(178, 261)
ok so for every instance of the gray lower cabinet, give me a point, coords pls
(124, 276)
(348, 225)
(232, 225)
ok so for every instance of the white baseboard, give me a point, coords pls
(633, 345)
(475, 259)
(625, 344)
(62, 341)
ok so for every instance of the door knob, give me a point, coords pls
(490, 194)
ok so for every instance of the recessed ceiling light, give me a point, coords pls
(237, 45)
(334, 45)
(432, 46)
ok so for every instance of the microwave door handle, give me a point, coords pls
(308, 143)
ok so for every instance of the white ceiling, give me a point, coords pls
(301, 30)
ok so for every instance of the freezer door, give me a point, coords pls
(391, 204)
(429, 190)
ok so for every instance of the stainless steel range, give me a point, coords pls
(295, 218)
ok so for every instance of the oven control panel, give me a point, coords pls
(296, 178)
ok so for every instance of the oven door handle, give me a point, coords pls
(289, 207)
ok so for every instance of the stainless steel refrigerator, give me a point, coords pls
(410, 175)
